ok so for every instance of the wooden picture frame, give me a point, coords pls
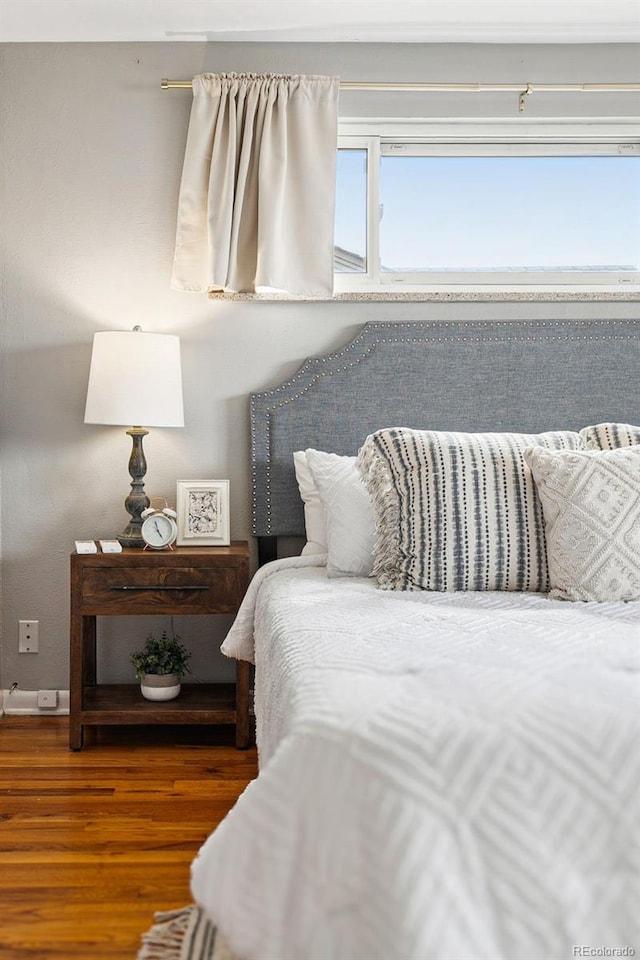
(203, 513)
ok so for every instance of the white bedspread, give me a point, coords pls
(442, 776)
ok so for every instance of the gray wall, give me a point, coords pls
(91, 163)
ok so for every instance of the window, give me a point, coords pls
(486, 209)
(350, 248)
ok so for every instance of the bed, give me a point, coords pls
(449, 769)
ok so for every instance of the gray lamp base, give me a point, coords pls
(137, 501)
(131, 536)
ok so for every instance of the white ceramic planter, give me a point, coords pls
(155, 686)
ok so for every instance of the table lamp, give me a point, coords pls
(135, 378)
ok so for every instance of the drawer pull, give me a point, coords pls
(157, 588)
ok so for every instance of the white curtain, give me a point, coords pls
(257, 197)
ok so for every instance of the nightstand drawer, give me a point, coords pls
(140, 589)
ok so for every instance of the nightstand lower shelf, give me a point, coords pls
(122, 703)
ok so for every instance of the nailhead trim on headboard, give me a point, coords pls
(605, 335)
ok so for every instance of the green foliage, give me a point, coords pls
(163, 656)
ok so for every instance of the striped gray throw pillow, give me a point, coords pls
(457, 511)
(610, 436)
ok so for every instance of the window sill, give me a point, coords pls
(457, 294)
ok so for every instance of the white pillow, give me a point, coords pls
(314, 518)
(591, 505)
(349, 518)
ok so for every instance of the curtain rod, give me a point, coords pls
(454, 87)
(524, 89)
(467, 87)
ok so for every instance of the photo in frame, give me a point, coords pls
(203, 513)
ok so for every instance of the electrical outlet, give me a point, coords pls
(28, 636)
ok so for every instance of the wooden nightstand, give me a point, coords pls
(186, 580)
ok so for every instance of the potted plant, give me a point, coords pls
(160, 666)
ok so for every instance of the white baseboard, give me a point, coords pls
(25, 703)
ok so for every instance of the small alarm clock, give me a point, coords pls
(159, 528)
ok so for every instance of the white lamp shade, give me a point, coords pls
(135, 379)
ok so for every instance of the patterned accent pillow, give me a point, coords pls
(457, 511)
(591, 505)
(610, 436)
(350, 524)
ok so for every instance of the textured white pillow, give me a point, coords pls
(314, 518)
(610, 436)
(350, 524)
(591, 506)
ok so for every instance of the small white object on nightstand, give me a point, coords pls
(86, 546)
(111, 546)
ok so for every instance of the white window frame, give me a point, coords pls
(492, 138)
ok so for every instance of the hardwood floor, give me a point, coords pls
(93, 842)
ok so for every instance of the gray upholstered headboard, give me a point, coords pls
(472, 376)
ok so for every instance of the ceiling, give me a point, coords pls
(397, 21)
